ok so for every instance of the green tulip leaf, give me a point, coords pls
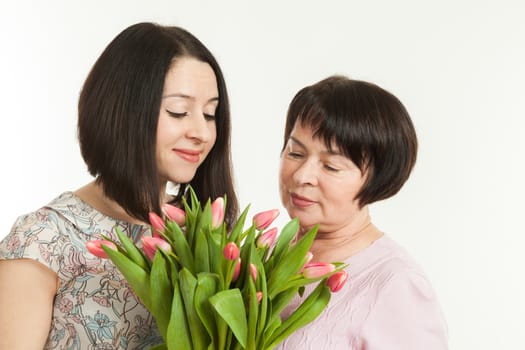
(314, 304)
(161, 293)
(228, 304)
(207, 286)
(287, 234)
(199, 335)
(202, 264)
(290, 264)
(178, 330)
(181, 247)
(238, 227)
(136, 276)
(131, 249)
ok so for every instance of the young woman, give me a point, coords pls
(153, 110)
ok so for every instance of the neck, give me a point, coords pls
(93, 194)
(338, 244)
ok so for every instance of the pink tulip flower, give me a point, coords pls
(231, 251)
(337, 281)
(236, 270)
(217, 212)
(315, 270)
(264, 219)
(176, 214)
(151, 244)
(259, 297)
(267, 238)
(157, 224)
(253, 272)
(95, 247)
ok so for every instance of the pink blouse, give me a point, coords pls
(387, 304)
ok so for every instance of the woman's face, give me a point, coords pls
(318, 186)
(186, 129)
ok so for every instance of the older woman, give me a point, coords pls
(348, 144)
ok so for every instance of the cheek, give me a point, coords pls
(212, 130)
(284, 172)
(166, 129)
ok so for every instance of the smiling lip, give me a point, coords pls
(188, 155)
(301, 202)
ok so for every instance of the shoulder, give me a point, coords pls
(33, 234)
(399, 279)
(406, 311)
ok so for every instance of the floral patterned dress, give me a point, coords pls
(94, 308)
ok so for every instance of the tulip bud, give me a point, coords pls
(259, 297)
(231, 251)
(337, 281)
(264, 219)
(267, 238)
(95, 247)
(236, 270)
(253, 272)
(151, 244)
(217, 212)
(315, 270)
(157, 224)
(176, 214)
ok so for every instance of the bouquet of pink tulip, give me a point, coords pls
(210, 288)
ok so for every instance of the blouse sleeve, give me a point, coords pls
(406, 316)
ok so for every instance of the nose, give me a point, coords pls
(200, 129)
(306, 173)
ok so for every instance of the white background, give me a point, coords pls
(459, 67)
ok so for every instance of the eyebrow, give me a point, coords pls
(213, 99)
(329, 152)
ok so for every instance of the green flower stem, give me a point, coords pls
(253, 308)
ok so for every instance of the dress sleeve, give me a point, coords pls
(406, 316)
(34, 236)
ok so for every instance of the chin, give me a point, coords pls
(182, 178)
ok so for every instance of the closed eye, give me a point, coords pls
(209, 117)
(295, 155)
(330, 168)
(177, 115)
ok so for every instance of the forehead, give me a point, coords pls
(191, 77)
(305, 134)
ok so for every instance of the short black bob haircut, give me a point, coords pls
(368, 124)
(118, 112)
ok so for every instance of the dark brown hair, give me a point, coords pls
(118, 113)
(368, 124)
